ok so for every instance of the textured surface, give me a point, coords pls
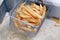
(47, 31)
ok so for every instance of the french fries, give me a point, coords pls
(18, 16)
(20, 7)
(32, 14)
(35, 10)
(17, 25)
(30, 11)
(24, 11)
(27, 13)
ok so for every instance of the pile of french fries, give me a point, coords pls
(32, 14)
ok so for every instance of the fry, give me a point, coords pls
(25, 19)
(43, 14)
(40, 7)
(57, 24)
(19, 9)
(23, 28)
(35, 6)
(43, 11)
(27, 29)
(16, 23)
(32, 23)
(18, 16)
(30, 11)
(27, 13)
(44, 8)
(32, 20)
(56, 20)
(59, 21)
(17, 26)
(38, 22)
(23, 16)
(24, 11)
(35, 10)
(33, 13)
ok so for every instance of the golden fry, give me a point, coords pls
(19, 9)
(23, 28)
(17, 23)
(35, 6)
(43, 14)
(34, 13)
(57, 24)
(24, 11)
(18, 16)
(40, 7)
(23, 16)
(35, 10)
(32, 20)
(25, 19)
(30, 11)
(38, 22)
(27, 29)
(44, 8)
(56, 20)
(27, 13)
